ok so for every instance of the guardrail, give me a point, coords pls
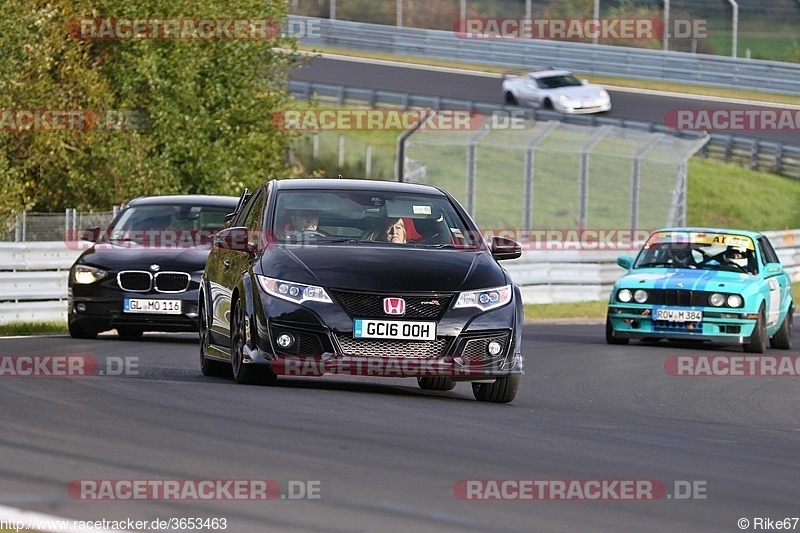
(680, 67)
(33, 275)
(758, 154)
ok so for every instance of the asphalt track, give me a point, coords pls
(627, 104)
(387, 454)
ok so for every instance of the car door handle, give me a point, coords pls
(227, 264)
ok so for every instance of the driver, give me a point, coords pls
(304, 221)
(736, 256)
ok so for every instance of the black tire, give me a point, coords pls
(511, 99)
(130, 333)
(758, 340)
(77, 332)
(610, 338)
(208, 367)
(547, 104)
(503, 390)
(782, 340)
(245, 373)
(436, 383)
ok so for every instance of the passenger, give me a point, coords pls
(388, 230)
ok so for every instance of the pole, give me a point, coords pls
(596, 18)
(735, 43)
(666, 25)
(333, 10)
(399, 13)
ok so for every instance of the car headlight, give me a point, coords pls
(85, 274)
(624, 296)
(293, 292)
(484, 299)
(563, 98)
(604, 94)
(734, 300)
(716, 299)
(640, 296)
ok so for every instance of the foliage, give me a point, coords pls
(209, 104)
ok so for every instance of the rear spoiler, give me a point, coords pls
(520, 72)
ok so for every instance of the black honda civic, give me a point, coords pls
(322, 277)
(143, 272)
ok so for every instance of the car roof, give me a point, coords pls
(187, 199)
(701, 229)
(355, 184)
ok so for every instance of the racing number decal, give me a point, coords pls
(774, 301)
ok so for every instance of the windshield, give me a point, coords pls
(182, 225)
(554, 82)
(705, 251)
(369, 216)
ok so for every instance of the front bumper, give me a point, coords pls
(102, 314)
(719, 326)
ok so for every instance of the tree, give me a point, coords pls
(208, 104)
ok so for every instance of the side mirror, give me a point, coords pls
(91, 234)
(237, 238)
(585, 82)
(504, 248)
(625, 261)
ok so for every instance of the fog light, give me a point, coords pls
(494, 348)
(80, 308)
(285, 340)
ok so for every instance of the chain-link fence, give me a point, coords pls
(551, 175)
(333, 153)
(34, 227)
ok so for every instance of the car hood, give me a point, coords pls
(384, 268)
(682, 278)
(124, 257)
(582, 92)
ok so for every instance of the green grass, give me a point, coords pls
(731, 196)
(32, 328)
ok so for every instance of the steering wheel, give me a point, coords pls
(312, 233)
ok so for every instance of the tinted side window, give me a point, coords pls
(767, 251)
(244, 213)
(255, 212)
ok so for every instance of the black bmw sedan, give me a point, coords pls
(143, 272)
(356, 277)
